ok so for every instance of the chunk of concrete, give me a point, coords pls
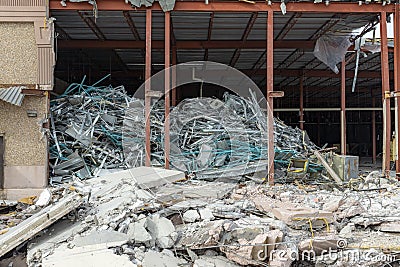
(206, 214)
(191, 216)
(319, 244)
(298, 217)
(162, 230)
(138, 233)
(44, 198)
(214, 261)
(159, 227)
(165, 242)
(157, 259)
(350, 227)
(144, 195)
(393, 227)
(199, 235)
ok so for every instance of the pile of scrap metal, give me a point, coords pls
(100, 127)
(86, 130)
(212, 138)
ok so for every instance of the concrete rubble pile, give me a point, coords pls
(154, 217)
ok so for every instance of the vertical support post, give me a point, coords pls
(301, 104)
(148, 85)
(373, 121)
(386, 101)
(167, 51)
(343, 109)
(397, 82)
(270, 88)
(173, 78)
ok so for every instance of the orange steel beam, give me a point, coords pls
(167, 51)
(225, 44)
(333, 7)
(148, 85)
(365, 74)
(386, 101)
(270, 88)
(222, 44)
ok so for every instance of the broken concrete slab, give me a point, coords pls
(34, 224)
(392, 227)
(201, 189)
(147, 177)
(108, 238)
(86, 256)
(295, 217)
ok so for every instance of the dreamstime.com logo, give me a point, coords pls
(342, 253)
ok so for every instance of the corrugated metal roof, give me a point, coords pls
(12, 95)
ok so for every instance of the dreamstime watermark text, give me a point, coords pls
(341, 253)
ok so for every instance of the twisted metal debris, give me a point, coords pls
(100, 127)
(86, 127)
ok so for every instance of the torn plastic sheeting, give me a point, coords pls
(331, 49)
(166, 5)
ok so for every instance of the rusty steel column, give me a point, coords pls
(301, 121)
(270, 88)
(343, 109)
(385, 101)
(147, 97)
(173, 78)
(397, 82)
(373, 122)
(167, 51)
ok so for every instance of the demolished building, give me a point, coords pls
(235, 109)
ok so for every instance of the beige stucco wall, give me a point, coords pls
(25, 156)
(18, 53)
(23, 141)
